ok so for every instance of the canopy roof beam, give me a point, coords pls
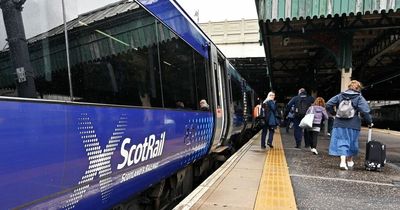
(335, 24)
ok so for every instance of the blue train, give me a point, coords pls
(106, 114)
(387, 116)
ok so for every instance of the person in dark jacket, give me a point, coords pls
(345, 132)
(320, 115)
(271, 121)
(298, 132)
(289, 119)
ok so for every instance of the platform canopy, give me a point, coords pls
(270, 10)
(309, 42)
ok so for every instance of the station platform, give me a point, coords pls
(290, 178)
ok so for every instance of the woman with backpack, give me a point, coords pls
(320, 114)
(271, 122)
(347, 123)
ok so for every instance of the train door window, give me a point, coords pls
(216, 76)
(115, 60)
(36, 68)
(177, 70)
(237, 95)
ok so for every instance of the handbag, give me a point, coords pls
(308, 119)
(260, 121)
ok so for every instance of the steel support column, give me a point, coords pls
(345, 58)
(19, 54)
(267, 48)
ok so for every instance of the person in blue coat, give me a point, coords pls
(301, 99)
(345, 132)
(271, 121)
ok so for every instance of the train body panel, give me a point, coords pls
(103, 150)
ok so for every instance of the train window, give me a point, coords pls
(178, 71)
(36, 68)
(249, 105)
(116, 63)
(237, 96)
(201, 87)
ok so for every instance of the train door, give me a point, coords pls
(218, 77)
(224, 96)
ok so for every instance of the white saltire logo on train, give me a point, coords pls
(100, 160)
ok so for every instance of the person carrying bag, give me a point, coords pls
(319, 116)
(271, 121)
(307, 121)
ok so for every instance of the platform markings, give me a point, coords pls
(275, 190)
(343, 180)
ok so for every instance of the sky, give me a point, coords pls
(220, 10)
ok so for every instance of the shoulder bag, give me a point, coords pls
(308, 119)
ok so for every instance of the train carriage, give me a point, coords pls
(107, 115)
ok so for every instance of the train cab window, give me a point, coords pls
(36, 68)
(117, 63)
(178, 71)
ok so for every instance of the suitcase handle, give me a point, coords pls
(369, 134)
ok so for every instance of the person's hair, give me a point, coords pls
(319, 102)
(302, 90)
(269, 96)
(203, 103)
(354, 85)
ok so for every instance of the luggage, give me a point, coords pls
(375, 157)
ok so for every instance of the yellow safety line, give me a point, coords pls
(275, 190)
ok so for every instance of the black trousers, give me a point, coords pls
(312, 138)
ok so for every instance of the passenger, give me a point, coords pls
(331, 117)
(271, 121)
(345, 132)
(289, 119)
(204, 105)
(180, 105)
(301, 102)
(258, 116)
(318, 108)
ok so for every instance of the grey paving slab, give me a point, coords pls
(223, 207)
(241, 179)
(240, 197)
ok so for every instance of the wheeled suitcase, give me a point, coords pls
(375, 157)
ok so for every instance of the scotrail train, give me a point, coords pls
(89, 118)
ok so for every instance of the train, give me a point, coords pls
(386, 116)
(102, 111)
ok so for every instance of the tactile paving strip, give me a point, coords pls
(275, 190)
